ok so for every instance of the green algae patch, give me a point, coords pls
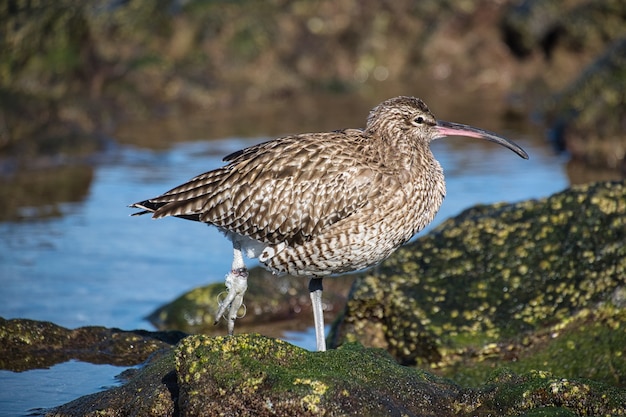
(252, 375)
(543, 394)
(251, 372)
(255, 375)
(589, 345)
(532, 284)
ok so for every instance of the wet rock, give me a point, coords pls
(28, 344)
(273, 305)
(247, 375)
(532, 285)
(588, 117)
(270, 377)
(572, 72)
(543, 25)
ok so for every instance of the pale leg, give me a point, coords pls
(237, 284)
(315, 291)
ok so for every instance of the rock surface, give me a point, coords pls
(576, 49)
(532, 285)
(250, 375)
(29, 344)
(588, 117)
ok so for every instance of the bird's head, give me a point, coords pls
(409, 116)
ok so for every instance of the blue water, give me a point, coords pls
(96, 265)
(31, 392)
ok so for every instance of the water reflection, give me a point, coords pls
(39, 193)
(31, 392)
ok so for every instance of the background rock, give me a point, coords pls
(73, 71)
(273, 305)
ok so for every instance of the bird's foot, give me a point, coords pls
(237, 284)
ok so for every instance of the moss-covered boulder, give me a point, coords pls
(250, 375)
(532, 285)
(275, 378)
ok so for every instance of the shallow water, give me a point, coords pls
(93, 264)
(31, 392)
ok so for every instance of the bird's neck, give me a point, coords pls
(403, 153)
(420, 174)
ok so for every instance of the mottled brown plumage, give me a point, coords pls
(323, 203)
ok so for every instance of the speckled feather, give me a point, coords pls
(323, 203)
(277, 191)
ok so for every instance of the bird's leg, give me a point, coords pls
(315, 291)
(237, 284)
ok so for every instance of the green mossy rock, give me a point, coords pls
(251, 375)
(532, 285)
(271, 377)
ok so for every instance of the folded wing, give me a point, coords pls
(285, 190)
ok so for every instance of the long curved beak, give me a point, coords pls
(456, 129)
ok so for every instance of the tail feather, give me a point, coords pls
(140, 213)
(150, 207)
(147, 206)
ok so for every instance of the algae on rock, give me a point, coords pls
(251, 375)
(499, 285)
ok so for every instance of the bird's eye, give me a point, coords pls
(418, 120)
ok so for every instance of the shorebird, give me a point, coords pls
(319, 204)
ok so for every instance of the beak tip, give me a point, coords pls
(521, 152)
(456, 129)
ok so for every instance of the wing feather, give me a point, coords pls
(283, 190)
